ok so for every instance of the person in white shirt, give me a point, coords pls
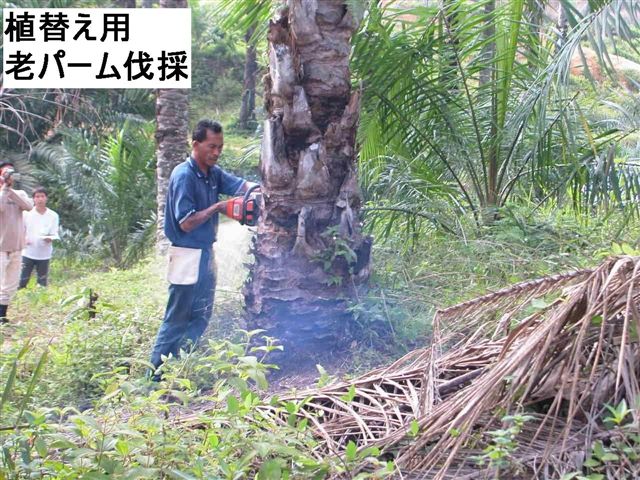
(41, 229)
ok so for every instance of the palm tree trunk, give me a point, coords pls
(172, 117)
(450, 19)
(311, 259)
(247, 109)
(489, 51)
(562, 26)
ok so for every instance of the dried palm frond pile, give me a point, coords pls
(556, 349)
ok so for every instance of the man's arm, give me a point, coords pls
(23, 201)
(195, 220)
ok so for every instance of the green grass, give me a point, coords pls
(128, 308)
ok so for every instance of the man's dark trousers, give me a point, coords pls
(42, 269)
(188, 312)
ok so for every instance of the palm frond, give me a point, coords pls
(552, 352)
(424, 97)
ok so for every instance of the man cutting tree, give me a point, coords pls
(191, 224)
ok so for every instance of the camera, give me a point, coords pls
(10, 173)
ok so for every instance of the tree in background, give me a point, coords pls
(248, 106)
(172, 133)
(100, 183)
(251, 19)
(469, 105)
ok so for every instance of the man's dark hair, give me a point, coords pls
(39, 190)
(200, 132)
(4, 163)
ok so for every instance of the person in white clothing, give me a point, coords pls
(12, 204)
(41, 229)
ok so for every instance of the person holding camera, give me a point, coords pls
(12, 238)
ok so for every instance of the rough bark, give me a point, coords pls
(310, 255)
(247, 109)
(172, 130)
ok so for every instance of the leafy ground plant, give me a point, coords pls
(133, 430)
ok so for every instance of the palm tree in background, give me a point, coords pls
(470, 105)
(248, 105)
(172, 117)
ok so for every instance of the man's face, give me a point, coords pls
(209, 149)
(40, 199)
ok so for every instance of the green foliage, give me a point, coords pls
(104, 189)
(218, 62)
(85, 336)
(619, 454)
(499, 452)
(480, 104)
(233, 440)
(438, 269)
(338, 249)
(91, 412)
(240, 16)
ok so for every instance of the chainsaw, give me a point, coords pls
(245, 209)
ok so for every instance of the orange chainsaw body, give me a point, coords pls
(245, 209)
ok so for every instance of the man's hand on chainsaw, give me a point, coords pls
(220, 207)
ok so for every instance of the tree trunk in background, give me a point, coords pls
(563, 26)
(450, 19)
(310, 256)
(126, 3)
(535, 21)
(489, 51)
(172, 133)
(149, 3)
(247, 110)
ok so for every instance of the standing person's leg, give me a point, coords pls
(9, 279)
(42, 269)
(27, 268)
(4, 294)
(175, 323)
(203, 300)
